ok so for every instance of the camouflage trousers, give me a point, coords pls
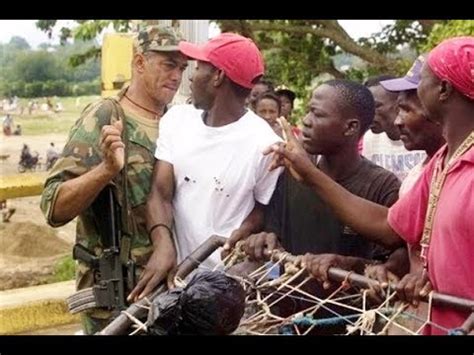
(92, 325)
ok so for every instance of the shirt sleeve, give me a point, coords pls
(407, 215)
(80, 154)
(164, 146)
(266, 180)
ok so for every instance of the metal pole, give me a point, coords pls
(339, 275)
(122, 323)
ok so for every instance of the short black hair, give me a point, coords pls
(375, 80)
(288, 93)
(264, 81)
(355, 99)
(268, 95)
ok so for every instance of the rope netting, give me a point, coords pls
(279, 300)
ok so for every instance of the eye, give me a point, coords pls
(169, 65)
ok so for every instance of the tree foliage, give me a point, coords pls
(448, 29)
(19, 43)
(45, 72)
(297, 51)
(85, 30)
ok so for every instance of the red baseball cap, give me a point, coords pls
(236, 55)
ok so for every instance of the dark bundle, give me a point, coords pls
(211, 304)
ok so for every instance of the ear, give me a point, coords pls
(219, 77)
(352, 127)
(139, 62)
(445, 90)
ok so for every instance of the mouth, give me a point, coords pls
(171, 87)
(375, 125)
(305, 137)
(404, 136)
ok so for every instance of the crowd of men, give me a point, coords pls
(394, 202)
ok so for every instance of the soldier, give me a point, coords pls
(94, 154)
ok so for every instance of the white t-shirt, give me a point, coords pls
(390, 155)
(219, 174)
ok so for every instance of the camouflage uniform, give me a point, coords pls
(82, 153)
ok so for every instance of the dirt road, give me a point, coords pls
(29, 248)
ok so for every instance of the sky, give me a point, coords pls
(34, 36)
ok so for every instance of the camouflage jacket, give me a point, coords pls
(82, 153)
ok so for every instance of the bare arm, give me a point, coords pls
(158, 212)
(77, 194)
(365, 217)
(159, 208)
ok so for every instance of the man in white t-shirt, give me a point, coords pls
(211, 176)
(382, 144)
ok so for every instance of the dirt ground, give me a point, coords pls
(12, 145)
(29, 247)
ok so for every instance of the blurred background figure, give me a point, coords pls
(7, 125)
(268, 106)
(287, 99)
(51, 156)
(7, 212)
(262, 86)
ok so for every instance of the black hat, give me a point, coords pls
(286, 92)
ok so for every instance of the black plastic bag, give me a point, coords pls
(211, 304)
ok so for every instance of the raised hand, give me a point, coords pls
(112, 146)
(290, 154)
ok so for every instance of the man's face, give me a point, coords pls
(324, 125)
(202, 90)
(286, 106)
(428, 92)
(268, 110)
(385, 112)
(162, 74)
(416, 131)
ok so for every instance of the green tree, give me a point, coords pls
(298, 51)
(19, 43)
(85, 30)
(36, 66)
(448, 29)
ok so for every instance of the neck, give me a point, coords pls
(138, 96)
(434, 147)
(457, 126)
(341, 164)
(225, 110)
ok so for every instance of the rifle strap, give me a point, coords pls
(125, 240)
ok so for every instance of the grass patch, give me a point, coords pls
(64, 270)
(40, 122)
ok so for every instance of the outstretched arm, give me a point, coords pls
(365, 217)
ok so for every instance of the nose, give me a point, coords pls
(307, 121)
(176, 75)
(398, 120)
